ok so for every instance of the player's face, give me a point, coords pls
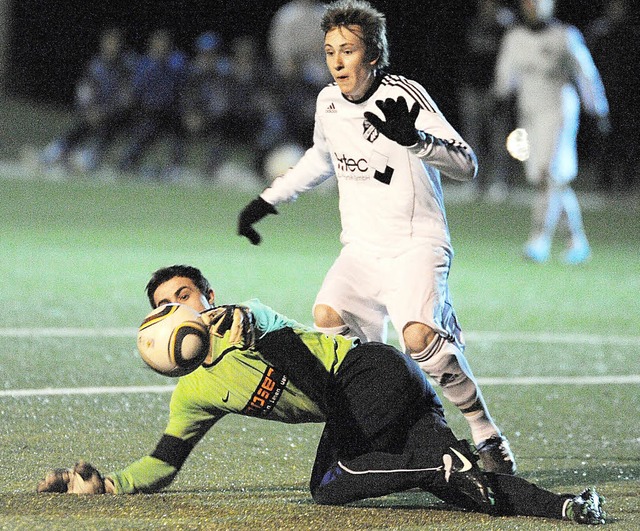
(346, 58)
(182, 290)
(536, 10)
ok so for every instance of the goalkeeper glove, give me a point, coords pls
(83, 478)
(252, 213)
(234, 324)
(400, 121)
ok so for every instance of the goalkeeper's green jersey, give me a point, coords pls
(236, 381)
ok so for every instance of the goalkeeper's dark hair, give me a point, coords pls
(346, 13)
(167, 273)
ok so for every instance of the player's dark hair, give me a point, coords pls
(360, 13)
(167, 273)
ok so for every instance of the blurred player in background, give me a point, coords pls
(387, 143)
(385, 429)
(547, 65)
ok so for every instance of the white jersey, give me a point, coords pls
(550, 70)
(390, 196)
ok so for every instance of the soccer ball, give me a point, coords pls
(518, 144)
(173, 340)
(280, 159)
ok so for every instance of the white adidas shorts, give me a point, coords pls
(368, 291)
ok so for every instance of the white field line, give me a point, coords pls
(477, 336)
(68, 332)
(547, 338)
(511, 380)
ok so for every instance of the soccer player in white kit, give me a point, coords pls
(548, 66)
(387, 143)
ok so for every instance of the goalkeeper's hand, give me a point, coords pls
(83, 478)
(234, 324)
(252, 213)
(400, 121)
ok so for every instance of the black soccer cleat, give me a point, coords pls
(463, 474)
(496, 455)
(586, 508)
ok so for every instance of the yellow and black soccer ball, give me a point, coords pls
(173, 340)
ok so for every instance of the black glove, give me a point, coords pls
(252, 213)
(400, 121)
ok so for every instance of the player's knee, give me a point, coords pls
(326, 317)
(417, 337)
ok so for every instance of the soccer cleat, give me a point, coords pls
(538, 250)
(578, 253)
(586, 508)
(496, 455)
(463, 474)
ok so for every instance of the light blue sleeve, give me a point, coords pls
(268, 320)
(586, 75)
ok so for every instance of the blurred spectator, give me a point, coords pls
(103, 100)
(255, 118)
(295, 44)
(482, 127)
(206, 102)
(613, 39)
(157, 84)
(548, 66)
(295, 41)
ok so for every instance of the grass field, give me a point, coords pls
(555, 347)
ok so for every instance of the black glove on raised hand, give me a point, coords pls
(252, 213)
(400, 121)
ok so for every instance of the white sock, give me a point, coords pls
(574, 216)
(445, 363)
(342, 330)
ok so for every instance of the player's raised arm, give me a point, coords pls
(431, 138)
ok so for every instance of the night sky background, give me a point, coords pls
(50, 41)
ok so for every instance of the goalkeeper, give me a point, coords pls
(384, 432)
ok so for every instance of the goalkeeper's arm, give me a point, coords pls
(149, 474)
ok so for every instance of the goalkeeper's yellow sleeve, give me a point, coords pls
(148, 474)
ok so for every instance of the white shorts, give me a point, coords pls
(368, 291)
(553, 138)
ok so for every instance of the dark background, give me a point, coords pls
(50, 41)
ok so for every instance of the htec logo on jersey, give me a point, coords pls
(369, 132)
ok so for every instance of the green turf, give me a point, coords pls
(78, 253)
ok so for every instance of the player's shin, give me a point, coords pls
(443, 361)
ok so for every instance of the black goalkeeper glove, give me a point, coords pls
(400, 121)
(252, 213)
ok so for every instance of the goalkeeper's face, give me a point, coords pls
(182, 290)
